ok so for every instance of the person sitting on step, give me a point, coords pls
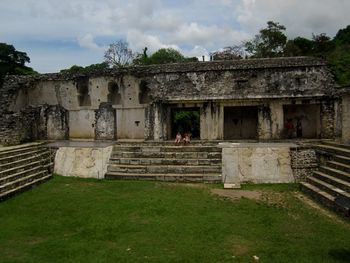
(178, 138)
(187, 138)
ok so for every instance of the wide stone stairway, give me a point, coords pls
(22, 167)
(196, 162)
(330, 183)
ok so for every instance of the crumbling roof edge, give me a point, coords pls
(243, 64)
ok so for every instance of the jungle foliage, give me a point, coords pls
(272, 42)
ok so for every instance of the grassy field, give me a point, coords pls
(82, 220)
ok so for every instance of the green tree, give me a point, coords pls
(339, 63)
(13, 61)
(166, 55)
(270, 42)
(322, 45)
(79, 69)
(162, 56)
(141, 58)
(338, 56)
(299, 46)
(343, 36)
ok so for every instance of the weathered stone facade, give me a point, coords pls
(303, 162)
(231, 97)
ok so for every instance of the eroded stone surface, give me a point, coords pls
(82, 162)
(142, 99)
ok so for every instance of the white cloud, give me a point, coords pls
(301, 18)
(198, 26)
(88, 42)
(138, 41)
(209, 36)
(199, 52)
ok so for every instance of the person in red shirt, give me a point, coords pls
(289, 128)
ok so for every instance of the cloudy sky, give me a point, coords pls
(58, 34)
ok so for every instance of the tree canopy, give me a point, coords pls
(79, 69)
(162, 56)
(228, 53)
(270, 42)
(13, 61)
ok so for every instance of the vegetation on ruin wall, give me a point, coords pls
(81, 220)
(272, 42)
(12, 62)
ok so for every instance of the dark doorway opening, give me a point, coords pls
(240, 123)
(185, 120)
(305, 119)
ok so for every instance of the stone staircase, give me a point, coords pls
(22, 167)
(330, 183)
(197, 162)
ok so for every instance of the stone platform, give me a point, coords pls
(256, 163)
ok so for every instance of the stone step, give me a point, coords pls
(337, 182)
(168, 155)
(19, 168)
(4, 151)
(164, 161)
(166, 149)
(21, 173)
(335, 144)
(21, 155)
(323, 197)
(22, 162)
(342, 159)
(329, 188)
(339, 166)
(164, 169)
(335, 173)
(167, 143)
(334, 150)
(21, 181)
(207, 177)
(23, 187)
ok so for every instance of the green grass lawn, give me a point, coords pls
(83, 220)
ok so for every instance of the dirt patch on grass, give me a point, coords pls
(237, 194)
(266, 196)
(239, 249)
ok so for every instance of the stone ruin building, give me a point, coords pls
(236, 100)
(248, 100)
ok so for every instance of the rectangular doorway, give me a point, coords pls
(185, 120)
(305, 119)
(240, 123)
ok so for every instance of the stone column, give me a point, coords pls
(264, 122)
(327, 119)
(277, 122)
(346, 118)
(211, 121)
(57, 123)
(158, 121)
(105, 122)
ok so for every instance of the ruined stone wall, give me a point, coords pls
(256, 163)
(303, 162)
(139, 95)
(247, 84)
(346, 117)
(327, 118)
(105, 122)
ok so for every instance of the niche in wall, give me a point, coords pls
(113, 96)
(144, 96)
(82, 85)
